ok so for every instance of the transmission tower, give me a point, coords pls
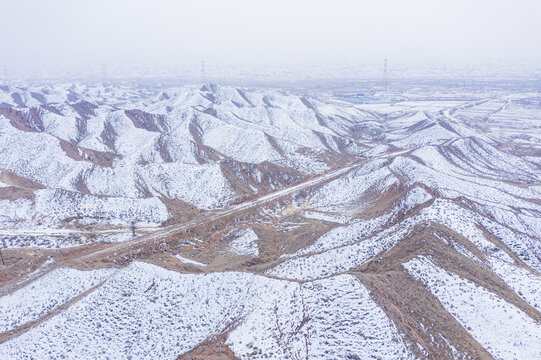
(385, 76)
(103, 73)
(6, 78)
(203, 75)
(133, 229)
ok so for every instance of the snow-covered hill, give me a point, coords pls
(206, 146)
(426, 243)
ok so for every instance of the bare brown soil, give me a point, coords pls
(242, 178)
(180, 211)
(426, 325)
(15, 193)
(144, 120)
(409, 304)
(28, 120)
(84, 108)
(20, 262)
(413, 309)
(79, 153)
(13, 179)
(213, 348)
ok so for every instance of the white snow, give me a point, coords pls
(45, 294)
(525, 283)
(147, 312)
(345, 194)
(316, 215)
(50, 207)
(245, 242)
(341, 258)
(501, 328)
(189, 261)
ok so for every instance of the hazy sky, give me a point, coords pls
(73, 33)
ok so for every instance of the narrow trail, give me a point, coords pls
(232, 210)
(162, 232)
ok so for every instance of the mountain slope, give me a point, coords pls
(268, 225)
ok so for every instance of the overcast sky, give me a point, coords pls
(72, 33)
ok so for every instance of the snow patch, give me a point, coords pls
(245, 242)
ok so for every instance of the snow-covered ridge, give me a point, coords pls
(489, 318)
(198, 144)
(175, 312)
(423, 195)
(46, 294)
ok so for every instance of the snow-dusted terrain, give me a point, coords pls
(245, 242)
(273, 317)
(115, 161)
(488, 318)
(46, 294)
(269, 223)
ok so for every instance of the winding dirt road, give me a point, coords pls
(231, 210)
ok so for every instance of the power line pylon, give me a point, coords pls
(103, 73)
(6, 77)
(203, 75)
(385, 76)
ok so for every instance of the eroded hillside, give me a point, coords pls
(269, 224)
